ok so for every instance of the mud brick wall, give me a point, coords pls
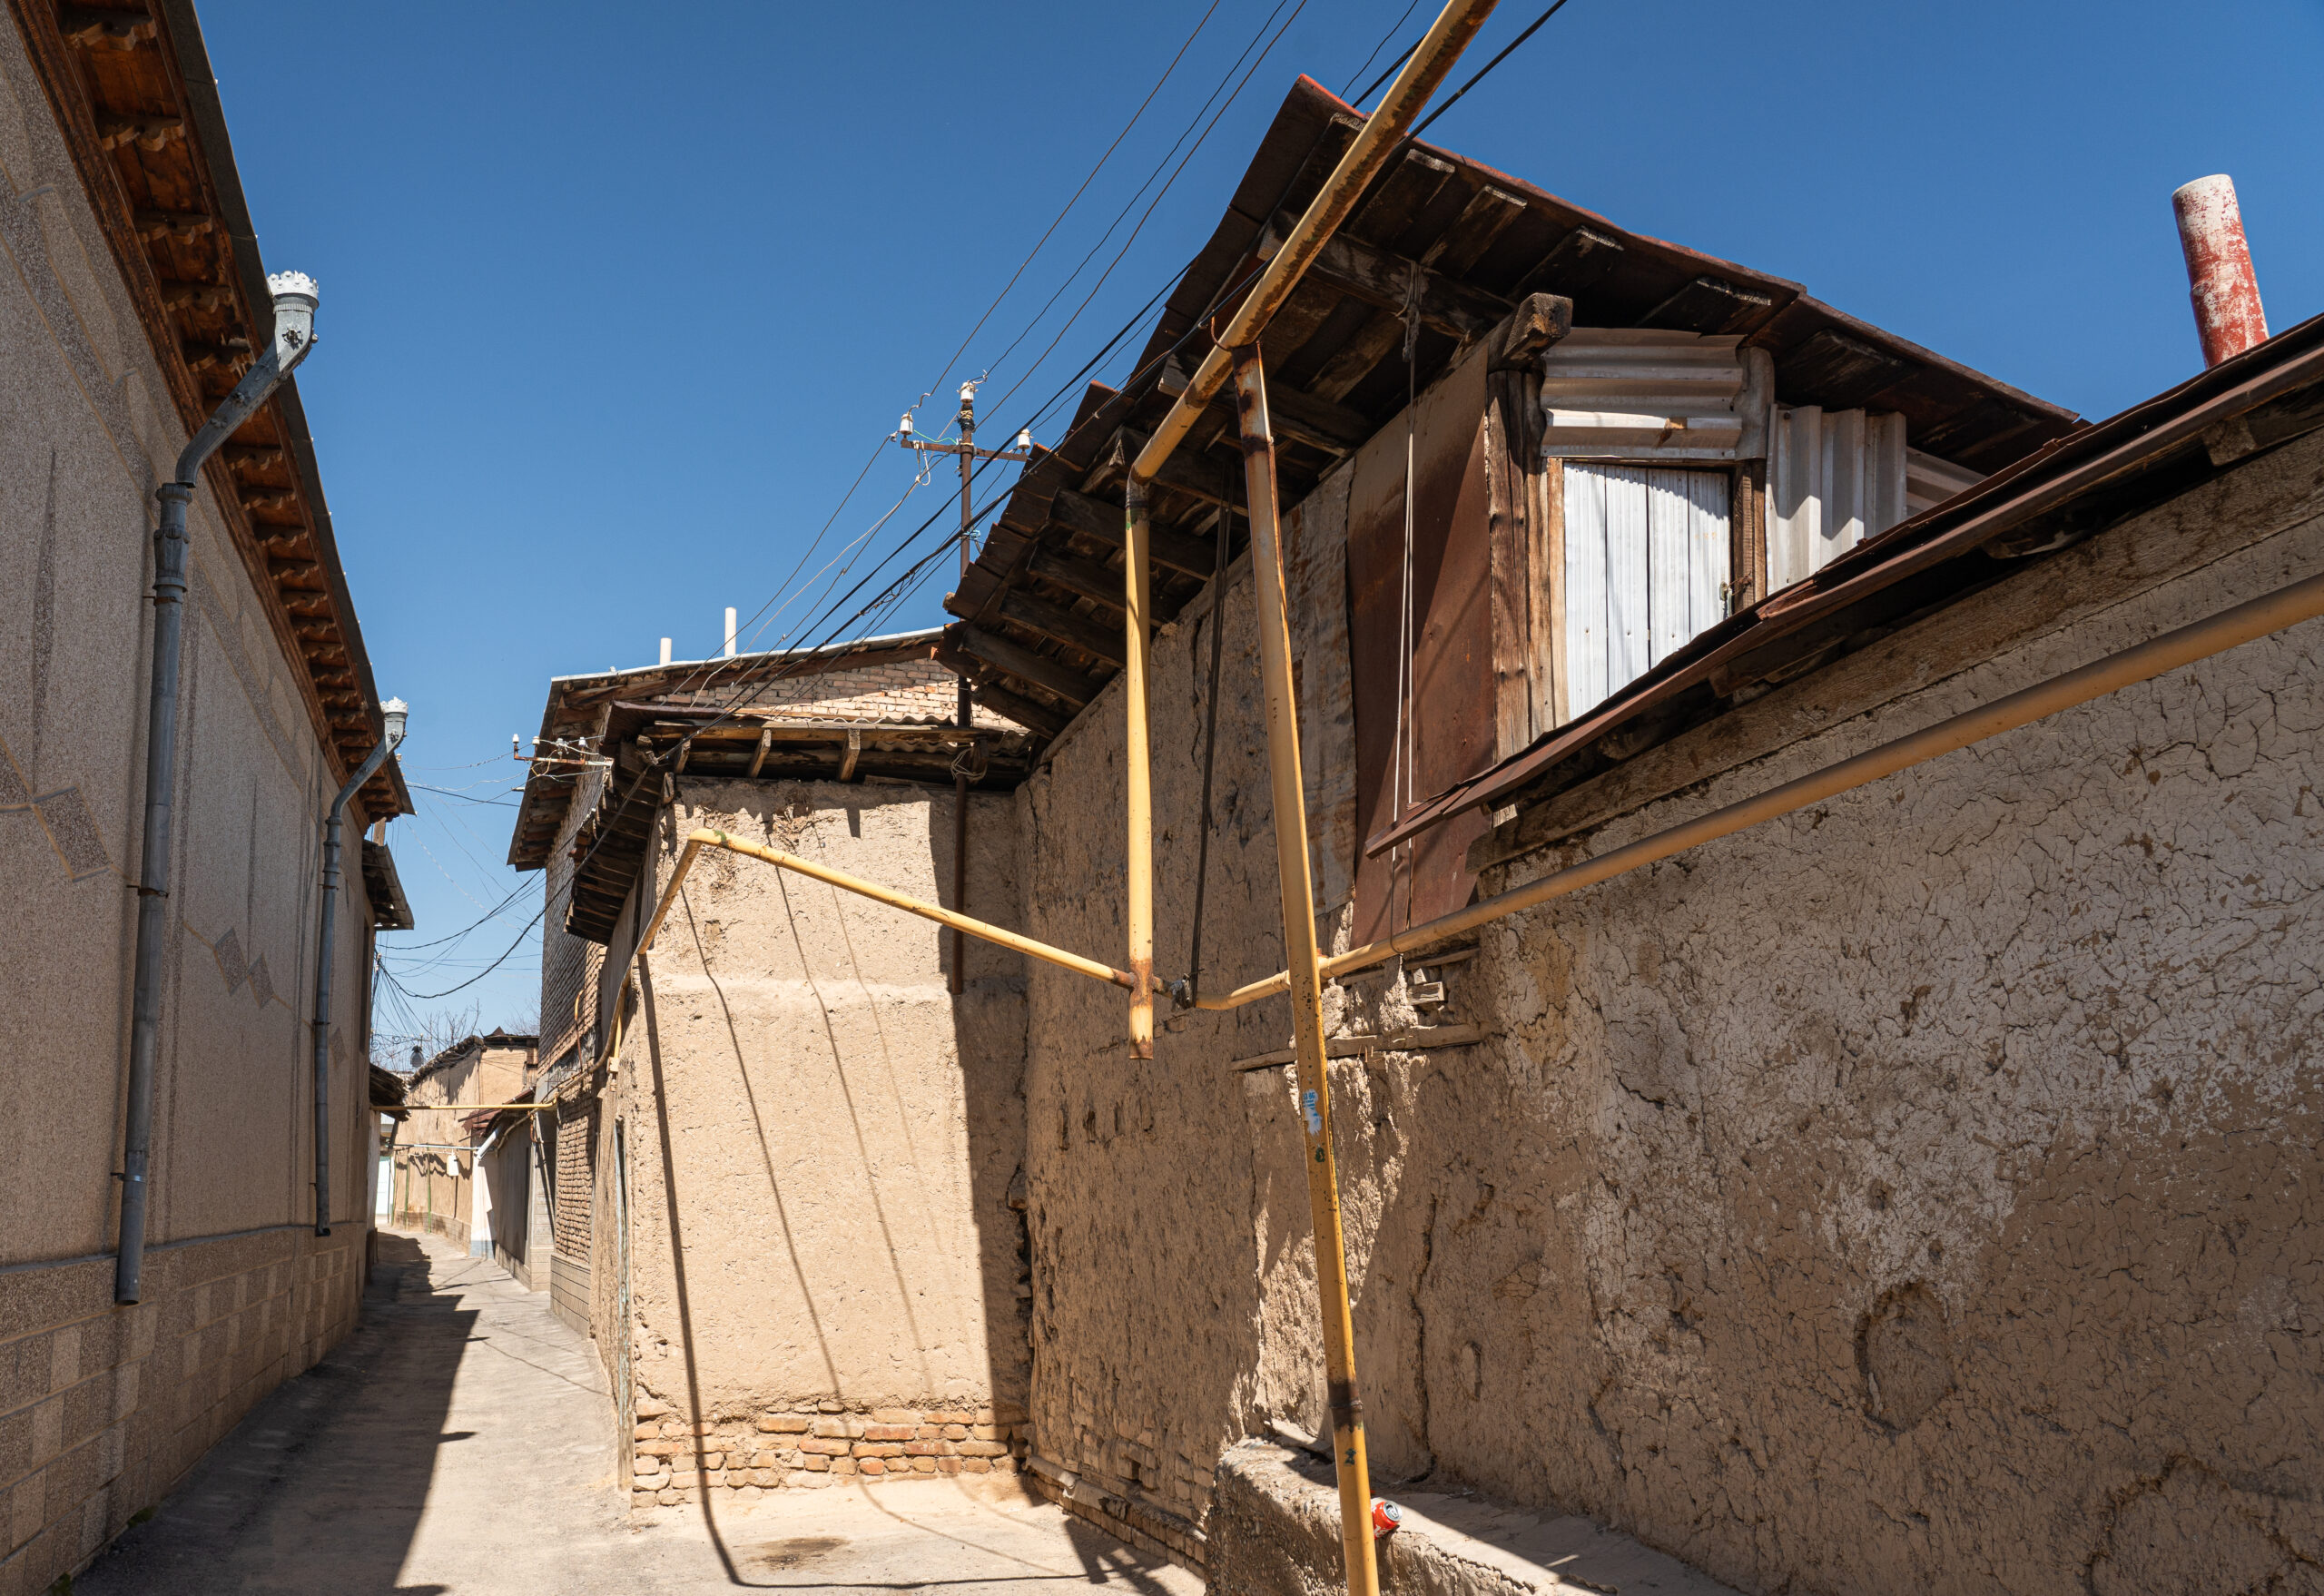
(1918, 1193)
(816, 1444)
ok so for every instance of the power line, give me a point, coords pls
(1256, 61)
(1394, 28)
(1059, 219)
(1507, 50)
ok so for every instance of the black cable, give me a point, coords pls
(1069, 204)
(1488, 66)
(1209, 741)
(1256, 62)
(1383, 45)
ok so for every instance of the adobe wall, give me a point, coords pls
(822, 1148)
(86, 432)
(1917, 1195)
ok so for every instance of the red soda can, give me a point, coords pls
(1387, 1518)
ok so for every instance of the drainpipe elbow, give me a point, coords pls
(295, 298)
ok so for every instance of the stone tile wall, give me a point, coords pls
(815, 1444)
(103, 1408)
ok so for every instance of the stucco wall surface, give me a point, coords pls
(83, 438)
(1916, 1194)
(102, 1407)
(822, 1139)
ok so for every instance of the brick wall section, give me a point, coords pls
(569, 965)
(576, 1168)
(912, 691)
(103, 1408)
(815, 1444)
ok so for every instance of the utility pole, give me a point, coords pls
(968, 454)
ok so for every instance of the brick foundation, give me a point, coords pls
(810, 1445)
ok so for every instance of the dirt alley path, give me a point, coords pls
(458, 1443)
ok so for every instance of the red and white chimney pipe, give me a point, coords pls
(2228, 317)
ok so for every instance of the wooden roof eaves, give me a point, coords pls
(578, 707)
(190, 89)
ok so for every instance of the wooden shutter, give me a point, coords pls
(1645, 570)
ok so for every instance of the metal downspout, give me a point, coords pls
(394, 711)
(294, 325)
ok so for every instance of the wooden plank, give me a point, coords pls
(1062, 625)
(1413, 1040)
(1100, 585)
(1710, 304)
(1016, 660)
(1577, 263)
(1380, 338)
(1546, 553)
(1488, 214)
(1585, 588)
(1709, 514)
(1627, 633)
(1091, 518)
(1506, 502)
(1668, 522)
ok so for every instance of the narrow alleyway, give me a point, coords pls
(457, 1443)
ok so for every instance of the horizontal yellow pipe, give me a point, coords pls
(464, 1107)
(895, 900)
(2230, 628)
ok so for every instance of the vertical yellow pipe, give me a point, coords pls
(1306, 981)
(1138, 770)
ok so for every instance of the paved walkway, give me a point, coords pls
(459, 1443)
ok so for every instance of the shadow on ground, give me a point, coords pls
(284, 1502)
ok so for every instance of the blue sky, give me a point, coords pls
(618, 301)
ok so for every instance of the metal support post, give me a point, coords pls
(1137, 772)
(1306, 981)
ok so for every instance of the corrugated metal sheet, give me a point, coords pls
(2145, 454)
(1929, 481)
(1646, 570)
(1835, 477)
(1642, 394)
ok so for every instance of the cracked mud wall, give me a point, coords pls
(1173, 1302)
(1919, 1194)
(823, 1140)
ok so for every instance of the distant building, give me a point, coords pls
(133, 299)
(800, 1169)
(438, 1179)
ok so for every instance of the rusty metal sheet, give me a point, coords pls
(1451, 699)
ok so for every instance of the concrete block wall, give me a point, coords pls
(103, 1408)
(810, 1445)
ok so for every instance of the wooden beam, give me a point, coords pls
(1539, 321)
(1062, 625)
(1181, 551)
(1014, 659)
(1038, 718)
(855, 753)
(1185, 471)
(109, 27)
(1378, 276)
(1084, 578)
(766, 741)
(1304, 418)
